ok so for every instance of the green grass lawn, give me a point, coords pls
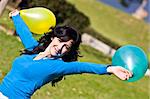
(83, 86)
(113, 24)
(6, 21)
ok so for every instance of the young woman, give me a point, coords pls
(48, 60)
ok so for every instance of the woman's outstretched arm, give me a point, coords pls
(68, 68)
(23, 31)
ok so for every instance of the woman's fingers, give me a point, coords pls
(122, 73)
(122, 77)
(125, 77)
(129, 73)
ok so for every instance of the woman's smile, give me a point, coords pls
(56, 49)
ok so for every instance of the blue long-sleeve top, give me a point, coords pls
(28, 75)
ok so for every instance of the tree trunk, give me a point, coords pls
(3, 4)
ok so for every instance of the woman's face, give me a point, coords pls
(59, 47)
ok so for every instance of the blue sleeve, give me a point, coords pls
(68, 68)
(24, 33)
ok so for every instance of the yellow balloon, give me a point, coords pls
(39, 20)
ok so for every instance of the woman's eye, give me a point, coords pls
(67, 47)
(60, 40)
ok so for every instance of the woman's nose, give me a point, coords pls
(61, 47)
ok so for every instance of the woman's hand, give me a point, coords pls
(120, 72)
(13, 13)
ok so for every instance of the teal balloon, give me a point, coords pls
(133, 58)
